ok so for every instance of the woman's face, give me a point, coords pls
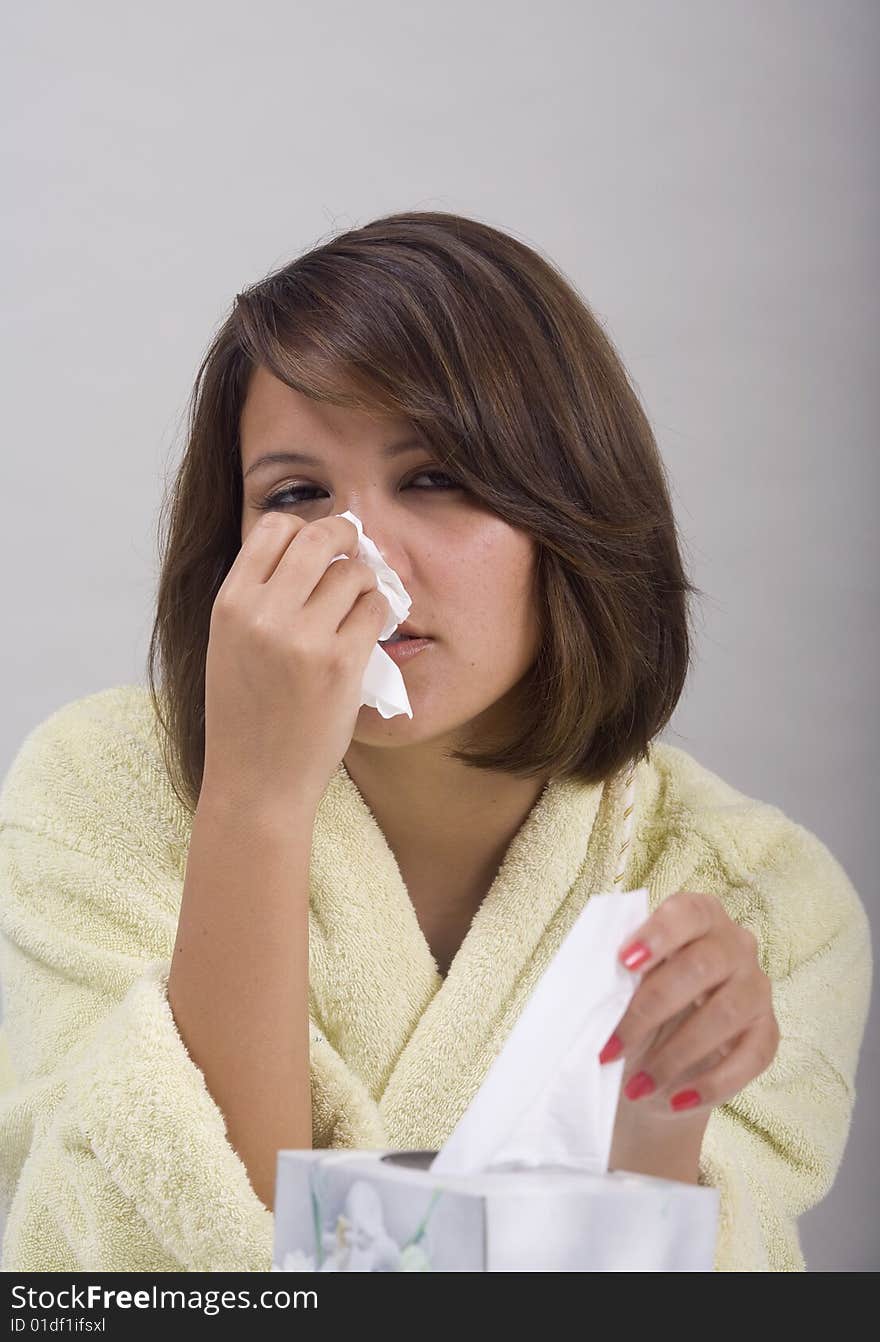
(470, 575)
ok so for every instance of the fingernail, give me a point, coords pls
(638, 1085)
(635, 955)
(685, 1099)
(612, 1049)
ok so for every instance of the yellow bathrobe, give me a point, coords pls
(113, 1154)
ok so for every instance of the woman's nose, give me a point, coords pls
(380, 532)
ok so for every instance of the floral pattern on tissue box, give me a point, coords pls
(359, 1242)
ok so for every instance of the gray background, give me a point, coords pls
(703, 172)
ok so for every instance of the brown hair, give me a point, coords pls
(489, 351)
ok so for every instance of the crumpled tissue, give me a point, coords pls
(383, 687)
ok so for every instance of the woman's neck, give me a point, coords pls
(435, 810)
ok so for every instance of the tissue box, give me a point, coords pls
(375, 1211)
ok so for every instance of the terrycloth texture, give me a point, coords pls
(114, 1154)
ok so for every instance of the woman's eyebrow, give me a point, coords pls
(301, 459)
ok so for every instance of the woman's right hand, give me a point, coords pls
(290, 638)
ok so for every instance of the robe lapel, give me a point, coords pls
(422, 1044)
(371, 971)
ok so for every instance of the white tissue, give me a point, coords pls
(546, 1099)
(383, 687)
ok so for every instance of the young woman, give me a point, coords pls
(240, 912)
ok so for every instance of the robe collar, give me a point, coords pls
(421, 1044)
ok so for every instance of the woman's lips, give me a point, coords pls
(405, 648)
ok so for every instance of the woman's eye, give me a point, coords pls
(298, 493)
(437, 475)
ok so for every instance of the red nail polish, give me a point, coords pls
(638, 1085)
(635, 955)
(612, 1049)
(685, 1099)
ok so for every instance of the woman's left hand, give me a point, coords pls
(700, 1025)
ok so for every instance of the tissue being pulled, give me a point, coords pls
(383, 686)
(546, 1099)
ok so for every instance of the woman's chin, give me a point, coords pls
(370, 722)
(372, 729)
